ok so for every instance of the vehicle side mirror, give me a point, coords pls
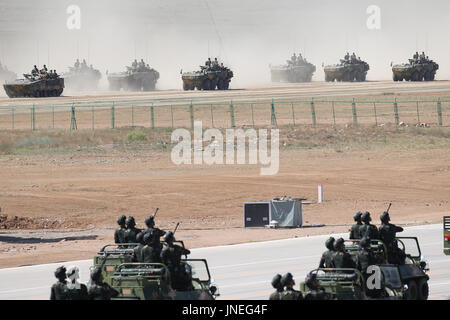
(213, 289)
(181, 71)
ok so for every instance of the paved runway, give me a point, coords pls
(243, 272)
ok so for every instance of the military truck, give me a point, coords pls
(111, 256)
(294, 71)
(447, 235)
(209, 77)
(348, 70)
(42, 85)
(415, 70)
(135, 78)
(82, 77)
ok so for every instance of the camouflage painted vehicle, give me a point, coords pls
(111, 256)
(41, 86)
(6, 75)
(348, 71)
(151, 281)
(82, 78)
(415, 70)
(447, 235)
(208, 78)
(134, 79)
(293, 72)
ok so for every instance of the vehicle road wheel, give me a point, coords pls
(412, 293)
(423, 289)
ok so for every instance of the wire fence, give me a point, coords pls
(225, 114)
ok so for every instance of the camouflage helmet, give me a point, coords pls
(96, 273)
(169, 237)
(130, 221)
(310, 279)
(364, 242)
(357, 216)
(286, 279)
(366, 217)
(150, 221)
(276, 281)
(60, 272)
(385, 217)
(140, 237)
(330, 243)
(339, 243)
(121, 220)
(148, 237)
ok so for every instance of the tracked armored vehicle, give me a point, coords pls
(295, 70)
(417, 69)
(348, 70)
(43, 85)
(212, 76)
(137, 78)
(82, 77)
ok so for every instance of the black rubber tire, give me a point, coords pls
(413, 292)
(423, 289)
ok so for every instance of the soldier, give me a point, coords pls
(119, 234)
(365, 256)
(132, 231)
(416, 56)
(137, 251)
(347, 57)
(327, 256)
(84, 64)
(353, 57)
(171, 257)
(150, 254)
(276, 283)
(77, 291)
(44, 70)
(35, 71)
(315, 291)
(290, 294)
(368, 230)
(77, 64)
(355, 231)
(300, 58)
(55, 74)
(294, 59)
(387, 232)
(98, 289)
(208, 63)
(150, 223)
(142, 65)
(341, 259)
(59, 290)
(134, 65)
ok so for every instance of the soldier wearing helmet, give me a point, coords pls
(365, 256)
(171, 256)
(59, 290)
(315, 291)
(137, 251)
(100, 290)
(341, 259)
(368, 230)
(119, 234)
(388, 232)
(77, 291)
(355, 231)
(132, 231)
(150, 223)
(150, 252)
(327, 256)
(276, 284)
(289, 293)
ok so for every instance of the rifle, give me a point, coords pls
(390, 204)
(156, 211)
(175, 230)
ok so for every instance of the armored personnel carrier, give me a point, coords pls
(82, 77)
(348, 70)
(138, 77)
(211, 76)
(41, 85)
(420, 68)
(6, 75)
(295, 70)
(447, 235)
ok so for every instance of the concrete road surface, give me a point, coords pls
(244, 271)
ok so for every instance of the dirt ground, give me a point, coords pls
(62, 205)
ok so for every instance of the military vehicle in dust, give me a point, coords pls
(211, 76)
(139, 77)
(40, 83)
(350, 69)
(82, 77)
(419, 68)
(407, 281)
(6, 75)
(447, 235)
(297, 69)
(152, 281)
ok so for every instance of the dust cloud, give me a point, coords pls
(247, 35)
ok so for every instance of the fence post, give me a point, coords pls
(73, 120)
(33, 118)
(334, 113)
(113, 119)
(191, 112)
(375, 113)
(293, 114)
(313, 112)
(253, 118)
(232, 113)
(439, 111)
(152, 115)
(171, 113)
(12, 118)
(132, 116)
(273, 117)
(355, 116)
(397, 119)
(93, 118)
(418, 115)
(212, 116)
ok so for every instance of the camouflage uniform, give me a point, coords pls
(276, 283)
(289, 294)
(132, 231)
(365, 256)
(315, 292)
(119, 234)
(327, 256)
(150, 253)
(98, 289)
(341, 258)
(387, 232)
(78, 294)
(59, 290)
(171, 257)
(355, 231)
(368, 230)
